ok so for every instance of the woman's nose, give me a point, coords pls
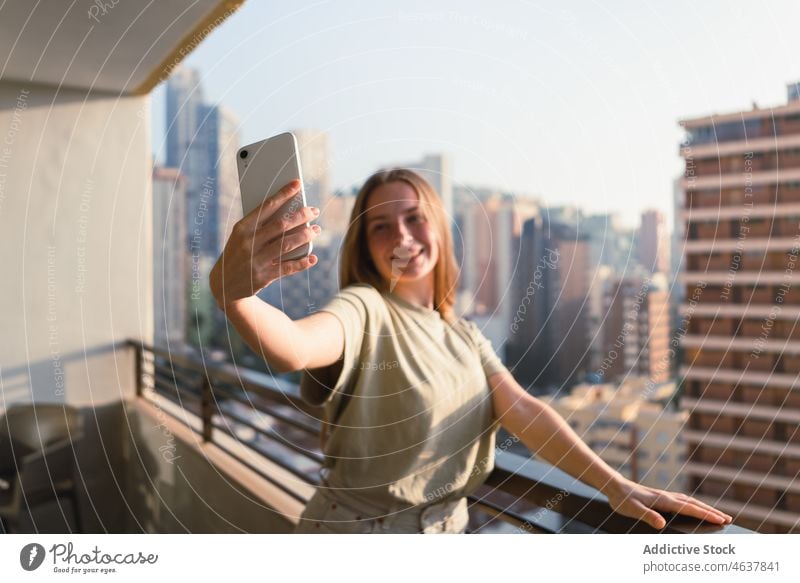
(401, 233)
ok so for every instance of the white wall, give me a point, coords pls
(76, 243)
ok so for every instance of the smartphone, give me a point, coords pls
(264, 168)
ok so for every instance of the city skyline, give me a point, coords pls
(522, 114)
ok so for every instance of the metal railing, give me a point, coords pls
(268, 416)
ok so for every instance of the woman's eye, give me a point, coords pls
(378, 227)
(415, 218)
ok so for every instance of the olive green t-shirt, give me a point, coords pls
(417, 426)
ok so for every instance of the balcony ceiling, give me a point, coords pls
(117, 46)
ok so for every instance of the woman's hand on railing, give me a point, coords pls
(642, 502)
(251, 258)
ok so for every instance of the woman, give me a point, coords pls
(413, 396)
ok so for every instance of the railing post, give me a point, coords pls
(139, 367)
(206, 408)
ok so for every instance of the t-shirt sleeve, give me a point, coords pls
(357, 308)
(490, 362)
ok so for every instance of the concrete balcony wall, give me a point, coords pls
(177, 484)
(75, 228)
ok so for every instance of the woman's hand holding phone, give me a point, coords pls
(251, 259)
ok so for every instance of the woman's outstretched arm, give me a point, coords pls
(250, 262)
(550, 437)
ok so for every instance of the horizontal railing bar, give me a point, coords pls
(503, 514)
(547, 486)
(303, 426)
(272, 434)
(235, 376)
(170, 391)
(270, 456)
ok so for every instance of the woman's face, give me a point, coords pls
(402, 243)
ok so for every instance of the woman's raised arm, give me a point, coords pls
(249, 263)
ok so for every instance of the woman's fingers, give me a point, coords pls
(266, 209)
(701, 504)
(650, 516)
(295, 265)
(282, 225)
(690, 507)
(289, 242)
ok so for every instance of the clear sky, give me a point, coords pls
(573, 101)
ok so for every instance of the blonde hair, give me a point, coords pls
(356, 264)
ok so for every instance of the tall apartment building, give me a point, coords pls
(740, 314)
(170, 260)
(654, 242)
(438, 170)
(548, 343)
(223, 140)
(609, 241)
(635, 332)
(201, 142)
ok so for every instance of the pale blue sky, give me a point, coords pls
(574, 101)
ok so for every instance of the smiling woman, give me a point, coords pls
(409, 436)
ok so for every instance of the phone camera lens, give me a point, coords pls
(243, 154)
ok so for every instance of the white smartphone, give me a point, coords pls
(264, 168)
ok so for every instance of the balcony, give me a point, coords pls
(727, 212)
(258, 434)
(728, 343)
(728, 443)
(756, 241)
(720, 181)
(740, 278)
(717, 408)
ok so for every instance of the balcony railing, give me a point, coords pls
(220, 401)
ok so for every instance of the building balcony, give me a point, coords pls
(717, 150)
(739, 179)
(743, 410)
(749, 478)
(734, 212)
(742, 443)
(740, 310)
(740, 277)
(781, 346)
(720, 245)
(243, 431)
(755, 514)
(736, 376)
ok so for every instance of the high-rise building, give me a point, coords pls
(184, 99)
(740, 316)
(170, 259)
(548, 344)
(654, 242)
(635, 331)
(222, 128)
(793, 92)
(436, 169)
(201, 143)
(335, 215)
(608, 241)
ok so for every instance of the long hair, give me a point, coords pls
(356, 264)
